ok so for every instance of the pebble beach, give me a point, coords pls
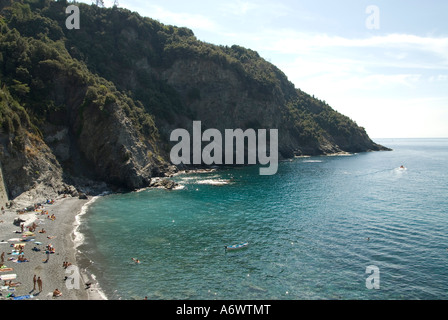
(52, 225)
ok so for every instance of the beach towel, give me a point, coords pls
(7, 277)
(6, 269)
(28, 296)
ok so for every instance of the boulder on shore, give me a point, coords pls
(82, 196)
(163, 183)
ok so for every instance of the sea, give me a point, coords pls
(348, 227)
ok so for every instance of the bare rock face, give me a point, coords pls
(109, 141)
(29, 165)
(163, 183)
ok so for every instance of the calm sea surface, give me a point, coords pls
(313, 229)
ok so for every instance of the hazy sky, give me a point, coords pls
(386, 66)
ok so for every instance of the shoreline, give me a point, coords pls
(61, 233)
(94, 292)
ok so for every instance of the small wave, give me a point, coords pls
(98, 289)
(78, 236)
(341, 154)
(188, 178)
(216, 182)
(196, 177)
(312, 161)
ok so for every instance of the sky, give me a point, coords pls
(382, 63)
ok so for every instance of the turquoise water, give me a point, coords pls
(313, 229)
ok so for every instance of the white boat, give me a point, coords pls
(237, 246)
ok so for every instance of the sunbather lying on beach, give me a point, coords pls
(12, 284)
(22, 258)
(18, 246)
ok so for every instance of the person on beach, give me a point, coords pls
(3, 257)
(39, 284)
(34, 282)
(57, 293)
(22, 258)
(33, 227)
(13, 284)
(47, 252)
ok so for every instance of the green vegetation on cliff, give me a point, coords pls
(120, 66)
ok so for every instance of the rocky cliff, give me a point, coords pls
(97, 105)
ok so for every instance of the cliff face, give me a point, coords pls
(29, 164)
(224, 100)
(99, 103)
(221, 99)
